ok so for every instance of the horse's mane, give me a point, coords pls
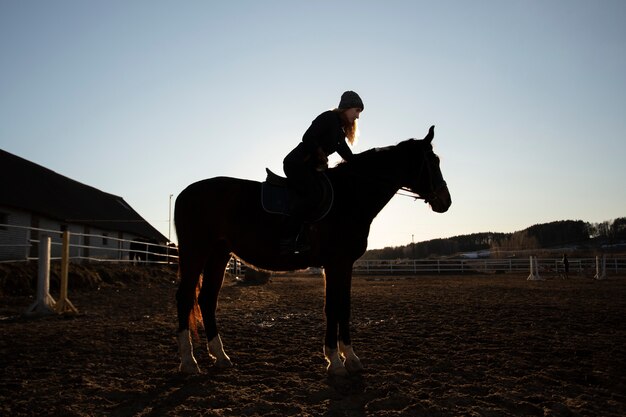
(387, 156)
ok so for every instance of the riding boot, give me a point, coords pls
(295, 240)
(302, 239)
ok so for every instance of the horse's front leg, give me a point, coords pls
(337, 308)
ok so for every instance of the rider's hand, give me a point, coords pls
(322, 160)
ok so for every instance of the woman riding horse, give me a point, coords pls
(219, 217)
(326, 135)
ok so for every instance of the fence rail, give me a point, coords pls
(163, 254)
(581, 266)
(123, 250)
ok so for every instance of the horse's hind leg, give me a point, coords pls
(190, 264)
(213, 278)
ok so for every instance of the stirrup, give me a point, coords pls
(290, 246)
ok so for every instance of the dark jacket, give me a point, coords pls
(326, 132)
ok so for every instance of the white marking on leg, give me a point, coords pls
(216, 350)
(188, 363)
(351, 362)
(335, 366)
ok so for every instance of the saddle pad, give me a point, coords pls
(275, 199)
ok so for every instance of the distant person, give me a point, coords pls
(330, 132)
(565, 263)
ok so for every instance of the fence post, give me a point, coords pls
(44, 304)
(65, 305)
(534, 273)
(600, 268)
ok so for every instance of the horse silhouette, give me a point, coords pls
(221, 216)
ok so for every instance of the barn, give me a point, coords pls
(35, 200)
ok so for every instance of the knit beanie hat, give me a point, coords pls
(350, 99)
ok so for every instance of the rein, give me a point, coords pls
(402, 191)
(409, 193)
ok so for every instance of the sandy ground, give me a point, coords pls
(432, 346)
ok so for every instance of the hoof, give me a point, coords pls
(351, 361)
(354, 366)
(216, 351)
(335, 365)
(337, 370)
(189, 368)
(223, 364)
(188, 363)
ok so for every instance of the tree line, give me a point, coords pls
(540, 236)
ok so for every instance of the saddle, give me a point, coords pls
(278, 198)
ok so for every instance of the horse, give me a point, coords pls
(222, 216)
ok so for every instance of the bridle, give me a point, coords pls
(433, 195)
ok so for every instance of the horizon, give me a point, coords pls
(140, 100)
(505, 233)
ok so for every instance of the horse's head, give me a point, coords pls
(425, 178)
(410, 165)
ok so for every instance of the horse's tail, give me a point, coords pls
(189, 284)
(195, 317)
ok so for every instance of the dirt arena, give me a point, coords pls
(432, 346)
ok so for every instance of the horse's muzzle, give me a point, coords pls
(440, 200)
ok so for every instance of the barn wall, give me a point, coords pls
(14, 242)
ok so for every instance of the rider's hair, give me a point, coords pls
(351, 130)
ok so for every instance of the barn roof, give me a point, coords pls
(33, 188)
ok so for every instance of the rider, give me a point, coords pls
(326, 135)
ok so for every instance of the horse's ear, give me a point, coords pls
(431, 134)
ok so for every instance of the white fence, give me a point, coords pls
(548, 266)
(113, 249)
(83, 247)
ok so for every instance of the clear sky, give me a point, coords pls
(141, 98)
